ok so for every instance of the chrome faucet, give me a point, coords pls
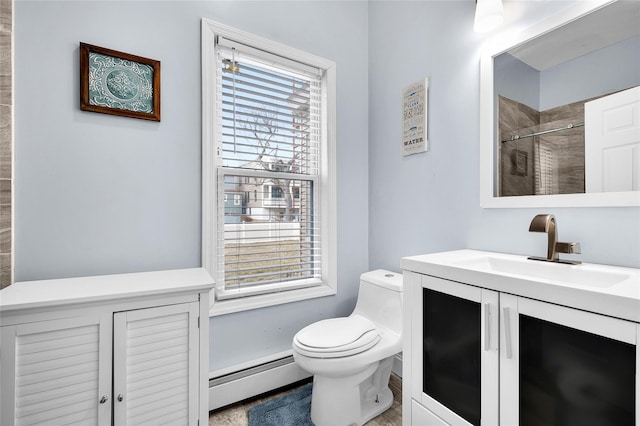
(547, 223)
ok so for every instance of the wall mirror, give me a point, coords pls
(560, 111)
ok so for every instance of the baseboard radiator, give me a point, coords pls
(243, 384)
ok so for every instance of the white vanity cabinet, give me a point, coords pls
(123, 349)
(565, 366)
(454, 345)
(477, 354)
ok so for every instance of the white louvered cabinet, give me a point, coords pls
(59, 371)
(121, 350)
(153, 383)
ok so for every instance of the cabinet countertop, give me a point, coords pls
(66, 291)
(620, 298)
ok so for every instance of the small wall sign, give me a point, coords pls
(414, 118)
(118, 83)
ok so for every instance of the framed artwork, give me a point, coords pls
(414, 117)
(118, 83)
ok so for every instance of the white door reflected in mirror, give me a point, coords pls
(612, 142)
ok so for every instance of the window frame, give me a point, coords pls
(275, 293)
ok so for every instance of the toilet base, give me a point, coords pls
(371, 409)
(353, 400)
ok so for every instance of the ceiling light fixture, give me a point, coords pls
(488, 15)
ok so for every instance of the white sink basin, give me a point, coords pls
(604, 289)
(575, 275)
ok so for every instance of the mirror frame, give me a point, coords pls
(494, 47)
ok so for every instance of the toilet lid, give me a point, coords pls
(337, 337)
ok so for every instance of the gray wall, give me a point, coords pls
(607, 70)
(422, 203)
(430, 202)
(516, 80)
(99, 194)
(6, 143)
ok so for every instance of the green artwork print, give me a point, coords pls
(120, 83)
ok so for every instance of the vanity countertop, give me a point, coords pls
(607, 290)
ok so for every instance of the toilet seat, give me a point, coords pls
(337, 337)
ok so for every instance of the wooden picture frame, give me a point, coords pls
(119, 83)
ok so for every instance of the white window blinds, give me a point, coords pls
(268, 113)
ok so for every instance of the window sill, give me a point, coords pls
(223, 307)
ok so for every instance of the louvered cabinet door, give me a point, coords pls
(156, 366)
(57, 372)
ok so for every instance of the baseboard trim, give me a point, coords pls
(253, 381)
(397, 365)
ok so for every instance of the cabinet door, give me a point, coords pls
(455, 360)
(156, 366)
(563, 366)
(57, 372)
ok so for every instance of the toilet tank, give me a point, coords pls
(380, 299)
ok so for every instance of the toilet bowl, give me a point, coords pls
(351, 357)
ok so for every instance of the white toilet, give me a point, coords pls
(351, 357)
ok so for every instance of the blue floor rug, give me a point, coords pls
(292, 409)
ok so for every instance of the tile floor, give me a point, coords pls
(238, 414)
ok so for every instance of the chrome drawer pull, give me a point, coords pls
(507, 332)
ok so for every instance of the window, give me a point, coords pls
(268, 114)
(278, 192)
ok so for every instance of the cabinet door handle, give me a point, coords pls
(120, 397)
(507, 332)
(104, 399)
(487, 326)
